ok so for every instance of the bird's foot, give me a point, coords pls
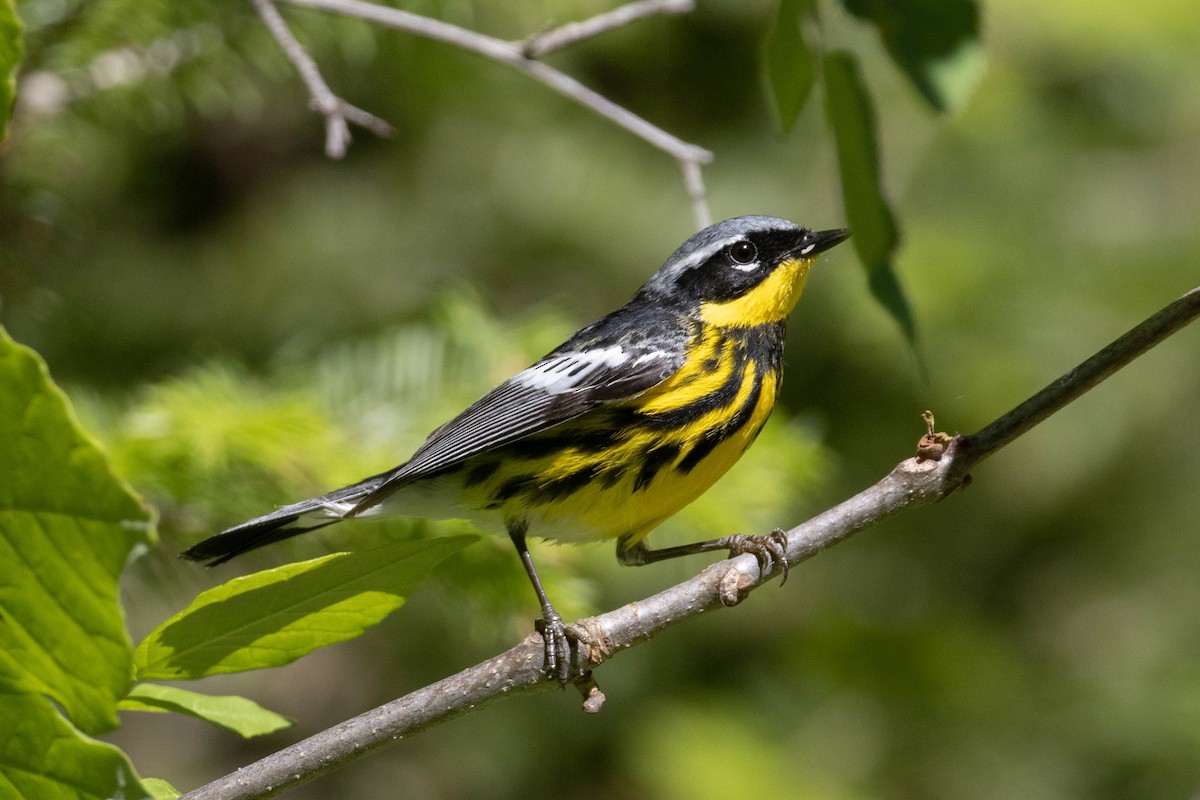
(767, 548)
(557, 637)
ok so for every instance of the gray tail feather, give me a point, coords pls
(307, 515)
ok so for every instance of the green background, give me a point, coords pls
(243, 323)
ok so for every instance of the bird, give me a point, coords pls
(613, 431)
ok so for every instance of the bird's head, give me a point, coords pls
(744, 271)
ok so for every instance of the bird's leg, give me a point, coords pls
(550, 626)
(767, 548)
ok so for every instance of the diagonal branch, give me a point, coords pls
(572, 33)
(912, 483)
(337, 112)
(1091, 372)
(514, 54)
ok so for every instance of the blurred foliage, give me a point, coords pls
(174, 244)
(11, 49)
(209, 444)
(935, 42)
(876, 236)
(937, 47)
(790, 66)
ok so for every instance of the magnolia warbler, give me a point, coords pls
(613, 431)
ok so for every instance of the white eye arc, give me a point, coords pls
(744, 255)
(807, 249)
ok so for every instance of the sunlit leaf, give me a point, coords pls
(875, 235)
(11, 50)
(43, 756)
(275, 616)
(67, 526)
(160, 789)
(790, 63)
(934, 42)
(235, 714)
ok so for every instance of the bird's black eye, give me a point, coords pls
(743, 252)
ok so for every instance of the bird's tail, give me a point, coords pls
(307, 515)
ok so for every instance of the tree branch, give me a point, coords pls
(540, 44)
(912, 483)
(1091, 372)
(337, 112)
(515, 55)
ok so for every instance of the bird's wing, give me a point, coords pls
(562, 386)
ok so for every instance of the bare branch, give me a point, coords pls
(335, 110)
(689, 156)
(520, 671)
(914, 482)
(1086, 375)
(693, 181)
(540, 44)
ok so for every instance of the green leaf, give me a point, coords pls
(11, 50)
(934, 42)
(160, 789)
(275, 616)
(876, 236)
(790, 65)
(67, 527)
(43, 756)
(235, 714)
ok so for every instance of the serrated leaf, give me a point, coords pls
(849, 108)
(11, 50)
(789, 62)
(275, 616)
(43, 756)
(236, 714)
(934, 42)
(67, 526)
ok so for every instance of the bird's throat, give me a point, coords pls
(770, 301)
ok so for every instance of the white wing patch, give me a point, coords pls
(338, 509)
(570, 370)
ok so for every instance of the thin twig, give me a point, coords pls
(914, 482)
(337, 112)
(689, 156)
(572, 33)
(693, 181)
(1091, 372)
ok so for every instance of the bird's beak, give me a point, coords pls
(819, 241)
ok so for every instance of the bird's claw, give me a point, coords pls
(767, 549)
(557, 638)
